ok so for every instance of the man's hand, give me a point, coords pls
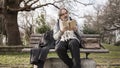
(73, 28)
(64, 29)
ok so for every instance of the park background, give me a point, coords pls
(21, 18)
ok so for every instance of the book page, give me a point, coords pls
(69, 24)
(65, 24)
(72, 24)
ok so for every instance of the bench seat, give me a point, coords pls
(81, 50)
(86, 51)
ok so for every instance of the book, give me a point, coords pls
(70, 24)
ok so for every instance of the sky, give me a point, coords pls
(52, 12)
(79, 9)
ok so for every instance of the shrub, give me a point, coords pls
(87, 30)
(42, 29)
(117, 43)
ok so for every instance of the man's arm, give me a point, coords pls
(56, 32)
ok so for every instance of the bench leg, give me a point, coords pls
(87, 55)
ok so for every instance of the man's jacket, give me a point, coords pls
(57, 33)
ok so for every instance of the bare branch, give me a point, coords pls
(112, 29)
(85, 4)
(45, 5)
(29, 7)
(28, 1)
(19, 1)
(77, 15)
(116, 25)
(25, 4)
(34, 2)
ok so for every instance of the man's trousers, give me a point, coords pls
(73, 46)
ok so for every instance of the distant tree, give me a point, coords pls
(111, 19)
(106, 19)
(26, 24)
(93, 22)
(88, 30)
(42, 25)
(111, 15)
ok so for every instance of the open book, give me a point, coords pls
(70, 24)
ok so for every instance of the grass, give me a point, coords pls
(111, 58)
(23, 58)
(14, 58)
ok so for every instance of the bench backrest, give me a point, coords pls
(35, 39)
(91, 40)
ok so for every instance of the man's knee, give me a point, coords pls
(58, 49)
(74, 42)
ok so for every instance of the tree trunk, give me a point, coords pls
(0, 39)
(10, 21)
(12, 29)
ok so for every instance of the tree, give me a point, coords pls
(106, 19)
(0, 30)
(10, 9)
(94, 21)
(111, 19)
(111, 15)
(0, 24)
(88, 30)
(42, 25)
(27, 25)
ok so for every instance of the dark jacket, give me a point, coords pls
(38, 54)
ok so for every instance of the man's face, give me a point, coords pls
(64, 15)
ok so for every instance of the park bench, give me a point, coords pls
(35, 39)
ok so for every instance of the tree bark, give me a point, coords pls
(10, 22)
(12, 29)
(0, 39)
(0, 29)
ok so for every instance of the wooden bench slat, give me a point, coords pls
(34, 45)
(34, 42)
(81, 50)
(94, 50)
(89, 50)
(90, 36)
(83, 35)
(36, 35)
(35, 38)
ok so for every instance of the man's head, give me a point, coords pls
(63, 14)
